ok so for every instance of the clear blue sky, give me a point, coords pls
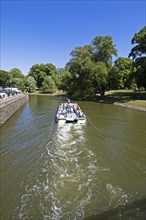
(47, 31)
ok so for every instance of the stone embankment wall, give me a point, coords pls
(10, 105)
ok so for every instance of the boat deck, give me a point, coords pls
(70, 112)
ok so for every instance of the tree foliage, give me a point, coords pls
(19, 83)
(40, 71)
(103, 49)
(16, 73)
(31, 84)
(13, 78)
(89, 71)
(88, 68)
(138, 53)
(140, 40)
(140, 73)
(17, 79)
(121, 74)
(48, 85)
(4, 78)
(100, 78)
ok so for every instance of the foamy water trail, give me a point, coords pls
(66, 181)
(117, 196)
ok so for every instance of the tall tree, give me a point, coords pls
(138, 53)
(66, 82)
(100, 78)
(16, 73)
(48, 85)
(89, 67)
(103, 49)
(17, 79)
(19, 83)
(121, 74)
(31, 84)
(40, 71)
(80, 68)
(139, 50)
(4, 78)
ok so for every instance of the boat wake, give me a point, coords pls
(66, 183)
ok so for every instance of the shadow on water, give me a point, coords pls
(133, 211)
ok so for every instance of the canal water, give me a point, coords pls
(73, 172)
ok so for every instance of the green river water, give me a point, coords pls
(73, 172)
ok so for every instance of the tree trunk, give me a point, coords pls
(102, 93)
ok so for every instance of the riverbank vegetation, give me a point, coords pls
(127, 97)
(90, 73)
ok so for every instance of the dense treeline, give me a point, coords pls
(89, 71)
(13, 78)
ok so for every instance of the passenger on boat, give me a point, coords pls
(71, 109)
(80, 114)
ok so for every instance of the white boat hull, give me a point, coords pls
(70, 114)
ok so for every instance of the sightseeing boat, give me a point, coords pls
(70, 113)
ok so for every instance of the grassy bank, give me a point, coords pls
(127, 97)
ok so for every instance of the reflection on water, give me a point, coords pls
(71, 171)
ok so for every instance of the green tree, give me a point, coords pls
(48, 85)
(89, 67)
(140, 73)
(79, 67)
(138, 53)
(121, 74)
(100, 78)
(31, 84)
(4, 78)
(113, 78)
(61, 73)
(17, 79)
(103, 49)
(139, 50)
(19, 83)
(16, 73)
(65, 79)
(40, 71)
